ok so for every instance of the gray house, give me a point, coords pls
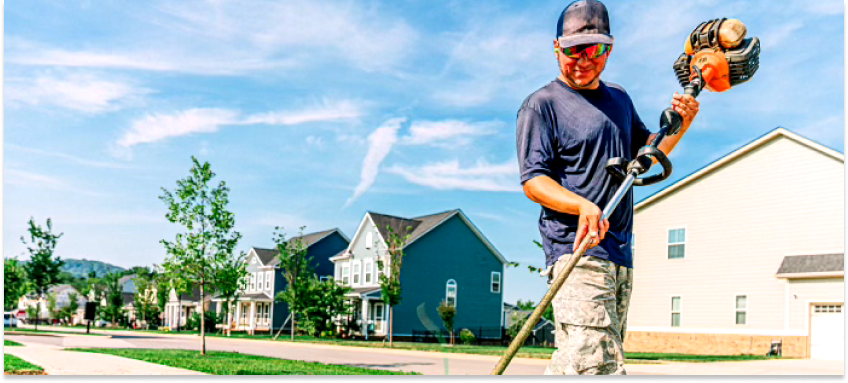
(256, 309)
(446, 259)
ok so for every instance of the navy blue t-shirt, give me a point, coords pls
(568, 135)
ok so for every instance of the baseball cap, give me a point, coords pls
(584, 22)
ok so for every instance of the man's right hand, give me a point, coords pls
(590, 224)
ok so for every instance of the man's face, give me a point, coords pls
(582, 73)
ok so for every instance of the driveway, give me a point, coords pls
(429, 363)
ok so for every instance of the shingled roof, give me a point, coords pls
(415, 227)
(268, 257)
(819, 263)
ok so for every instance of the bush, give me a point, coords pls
(193, 323)
(467, 337)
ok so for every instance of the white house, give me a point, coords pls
(746, 251)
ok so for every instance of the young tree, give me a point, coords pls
(143, 297)
(448, 313)
(209, 239)
(15, 284)
(42, 269)
(297, 269)
(73, 306)
(229, 280)
(51, 306)
(325, 301)
(114, 299)
(390, 274)
(163, 293)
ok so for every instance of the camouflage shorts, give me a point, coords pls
(591, 315)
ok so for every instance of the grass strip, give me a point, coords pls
(10, 343)
(17, 366)
(233, 363)
(49, 332)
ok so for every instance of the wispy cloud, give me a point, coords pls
(67, 157)
(327, 111)
(76, 91)
(22, 178)
(450, 175)
(447, 132)
(380, 143)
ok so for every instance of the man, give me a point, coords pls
(566, 132)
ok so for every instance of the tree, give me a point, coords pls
(209, 239)
(163, 293)
(297, 269)
(42, 269)
(32, 313)
(448, 314)
(51, 306)
(143, 297)
(178, 281)
(529, 305)
(114, 300)
(390, 279)
(229, 280)
(15, 284)
(73, 306)
(324, 302)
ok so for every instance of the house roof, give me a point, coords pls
(818, 263)
(128, 298)
(268, 257)
(728, 158)
(57, 289)
(362, 291)
(417, 227)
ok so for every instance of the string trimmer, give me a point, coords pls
(717, 56)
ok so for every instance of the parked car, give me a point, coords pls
(9, 320)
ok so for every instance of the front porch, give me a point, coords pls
(370, 312)
(251, 313)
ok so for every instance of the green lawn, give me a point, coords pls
(232, 363)
(53, 331)
(10, 343)
(17, 366)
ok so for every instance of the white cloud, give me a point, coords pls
(67, 157)
(82, 92)
(446, 133)
(156, 127)
(450, 175)
(22, 178)
(214, 37)
(380, 143)
(328, 111)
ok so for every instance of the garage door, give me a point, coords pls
(827, 332)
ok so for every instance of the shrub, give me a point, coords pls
(467, 337)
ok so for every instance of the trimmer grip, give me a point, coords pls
(650, 151)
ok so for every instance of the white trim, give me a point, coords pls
(716, 331)
(667, 243)
(779, 132)
(502, 295)
(737, 311)
(492, 282)
(821, 274)
(455, 292)
(356, 275)
(679, 311)
(253, 253)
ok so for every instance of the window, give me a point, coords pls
(496, 282)
(369, 266)
(676, 243)
(675, 311)
(268, 280)
(260, 280)
(345, 274)
(450, 293)
(741, 309)
(325, 278)
(252, 281)
(356, 268)
(369, 240)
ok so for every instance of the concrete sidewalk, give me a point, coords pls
(55, 361)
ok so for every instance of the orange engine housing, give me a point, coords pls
(714, 68)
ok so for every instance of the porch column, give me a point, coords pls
(365, 317)
(252, 316)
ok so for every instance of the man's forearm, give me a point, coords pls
(550, 194)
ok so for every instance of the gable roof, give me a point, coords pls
(818, 263)
(268, 257)
(774, 134)
(417, 227)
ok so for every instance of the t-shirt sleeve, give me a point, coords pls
(639, 132)
(534, 139)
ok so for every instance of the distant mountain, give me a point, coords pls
(81, 267)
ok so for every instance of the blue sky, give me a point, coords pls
(315, 112)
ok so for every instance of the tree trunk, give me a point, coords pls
(202, 320)
(391, 325)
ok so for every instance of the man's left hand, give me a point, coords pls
(687, 106)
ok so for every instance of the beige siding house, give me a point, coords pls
(747, 251)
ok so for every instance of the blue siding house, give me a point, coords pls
(446, 259)
(256, 309)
